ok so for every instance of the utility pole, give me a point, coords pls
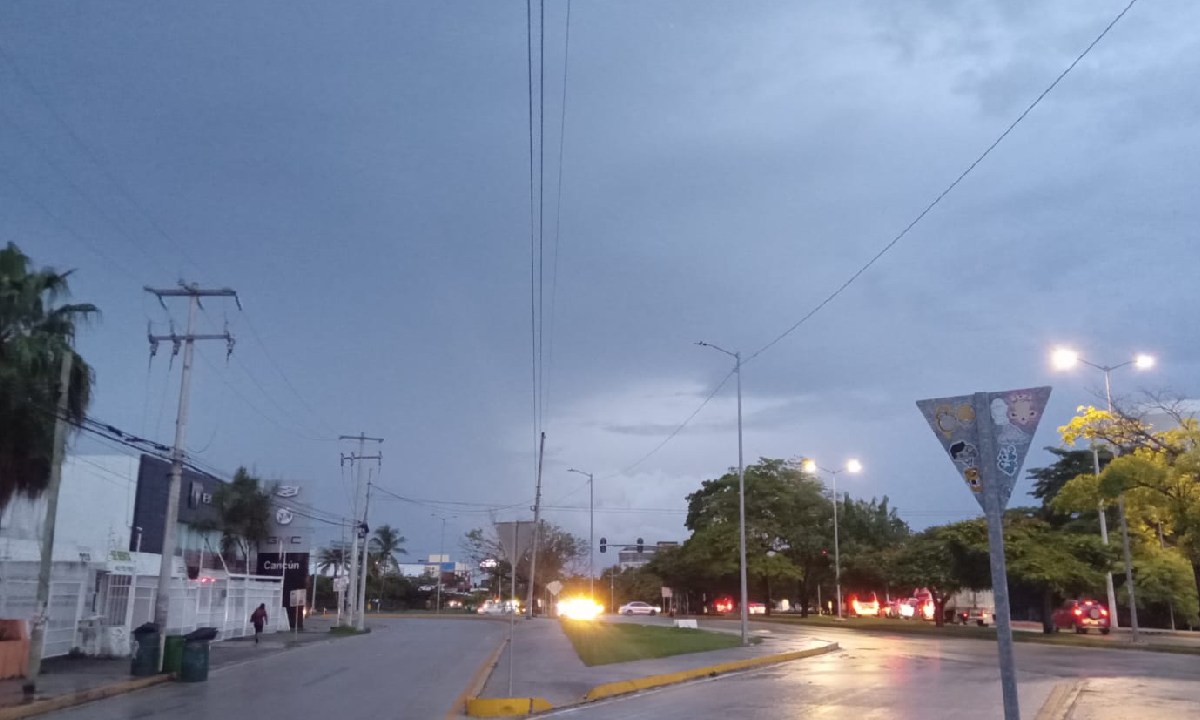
(193, 292)
(365, 529)
(354, 618)
(41, 615)
(537, 510)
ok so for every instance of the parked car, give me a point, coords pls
(756, 608)
(637, 607)
(1083, 615)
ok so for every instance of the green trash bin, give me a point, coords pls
(173, 654)
(194, 663)
(145, 651)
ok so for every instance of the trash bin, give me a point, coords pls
(173, 654)
(194, 663)
(145, 651)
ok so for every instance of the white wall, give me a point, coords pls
(95, 509)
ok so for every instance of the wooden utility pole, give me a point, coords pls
(162, 598)
(41, 612)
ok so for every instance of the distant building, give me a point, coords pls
(453, 573)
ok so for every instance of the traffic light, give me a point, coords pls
(640, 545)
(603, 545)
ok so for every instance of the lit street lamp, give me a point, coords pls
(1067, 359)
(591, 530)
(737, 368)
(852, 466)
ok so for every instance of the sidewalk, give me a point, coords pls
(63, 676)
(547, 666)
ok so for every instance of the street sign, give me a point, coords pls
(341, 583)
(1006, 420)
(987, 435)
(554, 587)
(666, 593)
(298, 598)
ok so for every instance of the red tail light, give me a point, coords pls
(1078, 611)
(1103, 612)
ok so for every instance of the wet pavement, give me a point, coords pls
(547, 666)
(903, 676)
(65, 675)
(403, 668)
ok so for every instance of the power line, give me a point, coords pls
(96, 207)
(91, 155)
(895, 240)
(562, 134)
(928, 208)
(279, 369)
(674, 432)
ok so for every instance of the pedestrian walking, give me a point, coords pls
(259, 618)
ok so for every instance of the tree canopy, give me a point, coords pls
(36, 333)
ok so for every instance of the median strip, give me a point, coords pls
(625, 687)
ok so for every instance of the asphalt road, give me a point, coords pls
(900, 676)
(413, 668)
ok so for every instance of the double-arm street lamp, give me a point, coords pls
(591, 530)
(811, 467)
(1067, 359)
(737, 369)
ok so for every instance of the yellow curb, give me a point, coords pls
(40, 707)
(1061, 701)
(506, 707)
(475, 686)
(624, 687)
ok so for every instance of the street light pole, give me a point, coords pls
(591, 530)
(737, 369)
(1065, 359)
(853, 466)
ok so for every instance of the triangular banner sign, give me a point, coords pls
(1008, 423)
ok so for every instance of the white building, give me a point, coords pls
(94, 571)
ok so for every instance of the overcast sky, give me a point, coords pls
(359, 172)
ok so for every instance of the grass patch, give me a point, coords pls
(346, 630)
(972, 632)
(601, 643)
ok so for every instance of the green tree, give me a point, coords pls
(788, 533)
(334, 557)
(1157, 474)
(867, 530)
(245, 514)
(560, 554)
(944, 559)
(36, 333)
(1052, 560)
(386, 544)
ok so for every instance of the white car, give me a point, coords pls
(637, 607)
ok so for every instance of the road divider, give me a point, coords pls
(625, 687)
(1062, 699)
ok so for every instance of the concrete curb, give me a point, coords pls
(61, 702)
(462, 704)
(625, 687)
(1062, 699)
(520, 707)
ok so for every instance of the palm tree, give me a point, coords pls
(36, 334)
(244, 506)
(385, 546)
(336, 557)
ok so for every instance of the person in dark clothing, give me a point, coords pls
(259, 619)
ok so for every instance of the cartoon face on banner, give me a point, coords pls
(1008, 428)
